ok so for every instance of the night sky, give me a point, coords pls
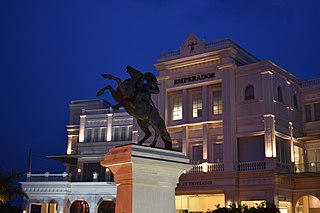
(54, 51)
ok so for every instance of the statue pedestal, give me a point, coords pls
(146, 177)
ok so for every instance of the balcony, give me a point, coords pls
(312, 167)
(307, 167)
(312, 82)
(207, 167)
(67, 177)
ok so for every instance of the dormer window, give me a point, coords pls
(249, 93)
(192, 45)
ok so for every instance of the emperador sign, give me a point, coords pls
(194, 78)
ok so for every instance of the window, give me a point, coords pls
(217, 153)
(89, 135)
(295, 102)
(317, 112)
(249, 93)
(177, 108)
(95, 134)
(307, 109)
(196, 105)
(283, 151)
(217, 103)
(280, 98)
(197, 154)
(121, 133)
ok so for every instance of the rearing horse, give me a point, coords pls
(134, 94)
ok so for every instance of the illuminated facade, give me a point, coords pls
(250, 128)
(85, 187)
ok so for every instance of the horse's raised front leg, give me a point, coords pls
(144, 126)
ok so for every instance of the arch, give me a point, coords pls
(307, 203)
(107, 206)
(79, 206)
(249, 92)
(280, 95)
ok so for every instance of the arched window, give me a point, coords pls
(249, 93)
(280, 98)
(295, 102)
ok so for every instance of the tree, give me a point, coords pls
(9, 187)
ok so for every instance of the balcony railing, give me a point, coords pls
(307, 167)
(207, 167)
(252, 166)
(48, 177)
(94, 177)
(312, 82)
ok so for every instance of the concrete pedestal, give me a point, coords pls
(146, 177)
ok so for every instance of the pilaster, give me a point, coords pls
(269, 136)
(185, 141)
(229, 118)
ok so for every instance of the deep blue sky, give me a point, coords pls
(53, 51)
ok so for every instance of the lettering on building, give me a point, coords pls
(194, 78)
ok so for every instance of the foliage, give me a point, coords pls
(9, 188)
(264, 207)
(8, 208)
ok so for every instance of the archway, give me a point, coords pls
(106, 207)
(308, 204)
(79, 206)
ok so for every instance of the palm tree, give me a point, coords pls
(9, 188)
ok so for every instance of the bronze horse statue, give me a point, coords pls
(134, 95)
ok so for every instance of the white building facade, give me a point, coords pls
(85, 186)
(250, 128)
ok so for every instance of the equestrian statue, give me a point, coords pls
(134, 95)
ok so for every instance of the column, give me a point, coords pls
(185, 105)
(93, 207)
(109, 127)
(205, 142)
(82, 127)
(289, 100)
(146, 177)
(185, 140)
(267, 86)
(229, 118)
(205, 106)
(269, 136)
(291, 142)
(69, 148)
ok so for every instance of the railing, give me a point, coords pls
(252, 166)
(218, 43)
(94, 177)
(196, 169)
(312, 82)
(102, 111)
(169, 54)
(48, 177)
(207, 167)
(214, 45)
(307, 167)
(283, 166)
(215, 167)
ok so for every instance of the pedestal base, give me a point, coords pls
(146, 177)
